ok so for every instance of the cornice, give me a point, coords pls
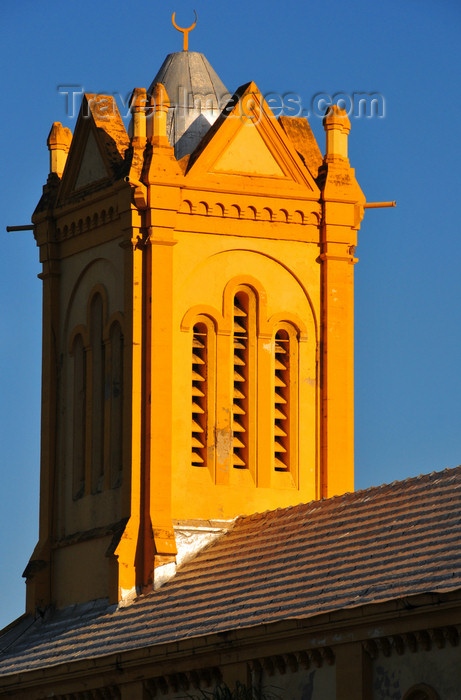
(408, 624)
(424, 639)
(87, 223)
(266, 210)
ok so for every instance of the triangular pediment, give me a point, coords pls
(248, 149)
(97, 153)
(248, 154)
(92, 166)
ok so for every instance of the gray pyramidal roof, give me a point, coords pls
(197, 96)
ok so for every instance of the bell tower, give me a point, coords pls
(197, 325)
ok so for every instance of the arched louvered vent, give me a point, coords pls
(199, 394)
(282, 401)
(241, 383)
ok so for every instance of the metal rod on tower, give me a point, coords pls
(378, 205)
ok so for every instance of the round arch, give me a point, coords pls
(421, 691)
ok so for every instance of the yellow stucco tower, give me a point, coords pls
(197, 325)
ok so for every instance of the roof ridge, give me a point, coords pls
(351, 495)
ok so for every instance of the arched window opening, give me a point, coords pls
(79, 419)
(421, 692)
(282, 401)
(116, 404)
(244, 370)
(200, 408)
(97, 402)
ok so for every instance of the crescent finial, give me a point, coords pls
(184, 30)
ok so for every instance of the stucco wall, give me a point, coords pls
(439, 668)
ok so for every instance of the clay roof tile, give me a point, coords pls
(377, 545)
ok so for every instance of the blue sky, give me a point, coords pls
(408, 309)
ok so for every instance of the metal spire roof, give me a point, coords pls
(197, 96)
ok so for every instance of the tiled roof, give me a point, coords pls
(300, 134)
(366, 547)
(111, 129)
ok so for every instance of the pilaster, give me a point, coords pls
(159, 399)
(129, 569)
(38, 571)
(353, 673)
(341, 196)
(163, 204)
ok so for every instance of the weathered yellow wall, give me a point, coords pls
(277, 268)
(76, 582)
